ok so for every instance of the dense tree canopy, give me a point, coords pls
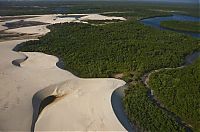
(179, 90)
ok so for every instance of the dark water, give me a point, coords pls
(155, 22)
(60, 10)
(189, 59)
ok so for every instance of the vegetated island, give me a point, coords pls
(178, 89)
(187, 26)
(128, 48)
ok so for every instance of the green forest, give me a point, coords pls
(179, 90)
(182, 25)
(126, 47)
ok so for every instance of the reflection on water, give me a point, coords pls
(155, 22)
(60, 10)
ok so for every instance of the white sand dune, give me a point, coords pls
(77, 14)
(81, 104)
(19, 84)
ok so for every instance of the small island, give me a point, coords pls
(187, 26)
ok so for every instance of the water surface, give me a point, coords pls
(155, 22)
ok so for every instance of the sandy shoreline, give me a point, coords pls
(82, 104)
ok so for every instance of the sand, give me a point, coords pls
(28, 78)
(88, 106)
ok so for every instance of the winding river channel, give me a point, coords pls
(155, 22)
(118, 94)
